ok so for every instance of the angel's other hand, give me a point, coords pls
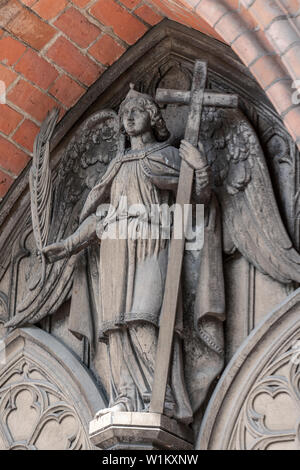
(55, 252)
(192, 156)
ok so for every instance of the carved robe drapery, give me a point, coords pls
(132, 274)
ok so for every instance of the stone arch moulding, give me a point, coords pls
(256, 402)
(47, 397)
(167, 38)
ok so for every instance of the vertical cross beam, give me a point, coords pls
(169, 307)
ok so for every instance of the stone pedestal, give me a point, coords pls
(139, 431)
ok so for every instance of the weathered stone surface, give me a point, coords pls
(47, 398)
(256, 403)
(231, 139)
(139, 431)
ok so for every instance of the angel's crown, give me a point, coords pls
(136, 94)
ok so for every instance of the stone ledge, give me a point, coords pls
(144, 431)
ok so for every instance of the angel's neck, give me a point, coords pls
(141, 141)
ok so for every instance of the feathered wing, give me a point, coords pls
(94, 145)
(249, 209)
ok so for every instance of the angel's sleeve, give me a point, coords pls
(202, 185)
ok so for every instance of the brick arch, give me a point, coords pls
(52, 51)
(265, 34)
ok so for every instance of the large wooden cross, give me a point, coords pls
(196, 98)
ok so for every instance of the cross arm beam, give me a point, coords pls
(210, 98)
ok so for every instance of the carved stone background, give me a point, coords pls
(166, 60)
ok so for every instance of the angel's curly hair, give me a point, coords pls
(159, 127)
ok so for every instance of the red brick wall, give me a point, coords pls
(52, 51)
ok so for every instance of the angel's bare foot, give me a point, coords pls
(55, 252)
(114, 409)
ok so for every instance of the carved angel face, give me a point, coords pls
(136, 119)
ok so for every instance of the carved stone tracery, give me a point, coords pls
(79, 169)
(256, 405)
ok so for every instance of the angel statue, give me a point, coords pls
(115, 168)
(132, 268)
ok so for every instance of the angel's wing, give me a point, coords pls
(242, 181)
(87, 156)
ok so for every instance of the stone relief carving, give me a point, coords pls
(100, 166)
(270, 417)
(3, 307)
(285, 170)
(256, 405)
